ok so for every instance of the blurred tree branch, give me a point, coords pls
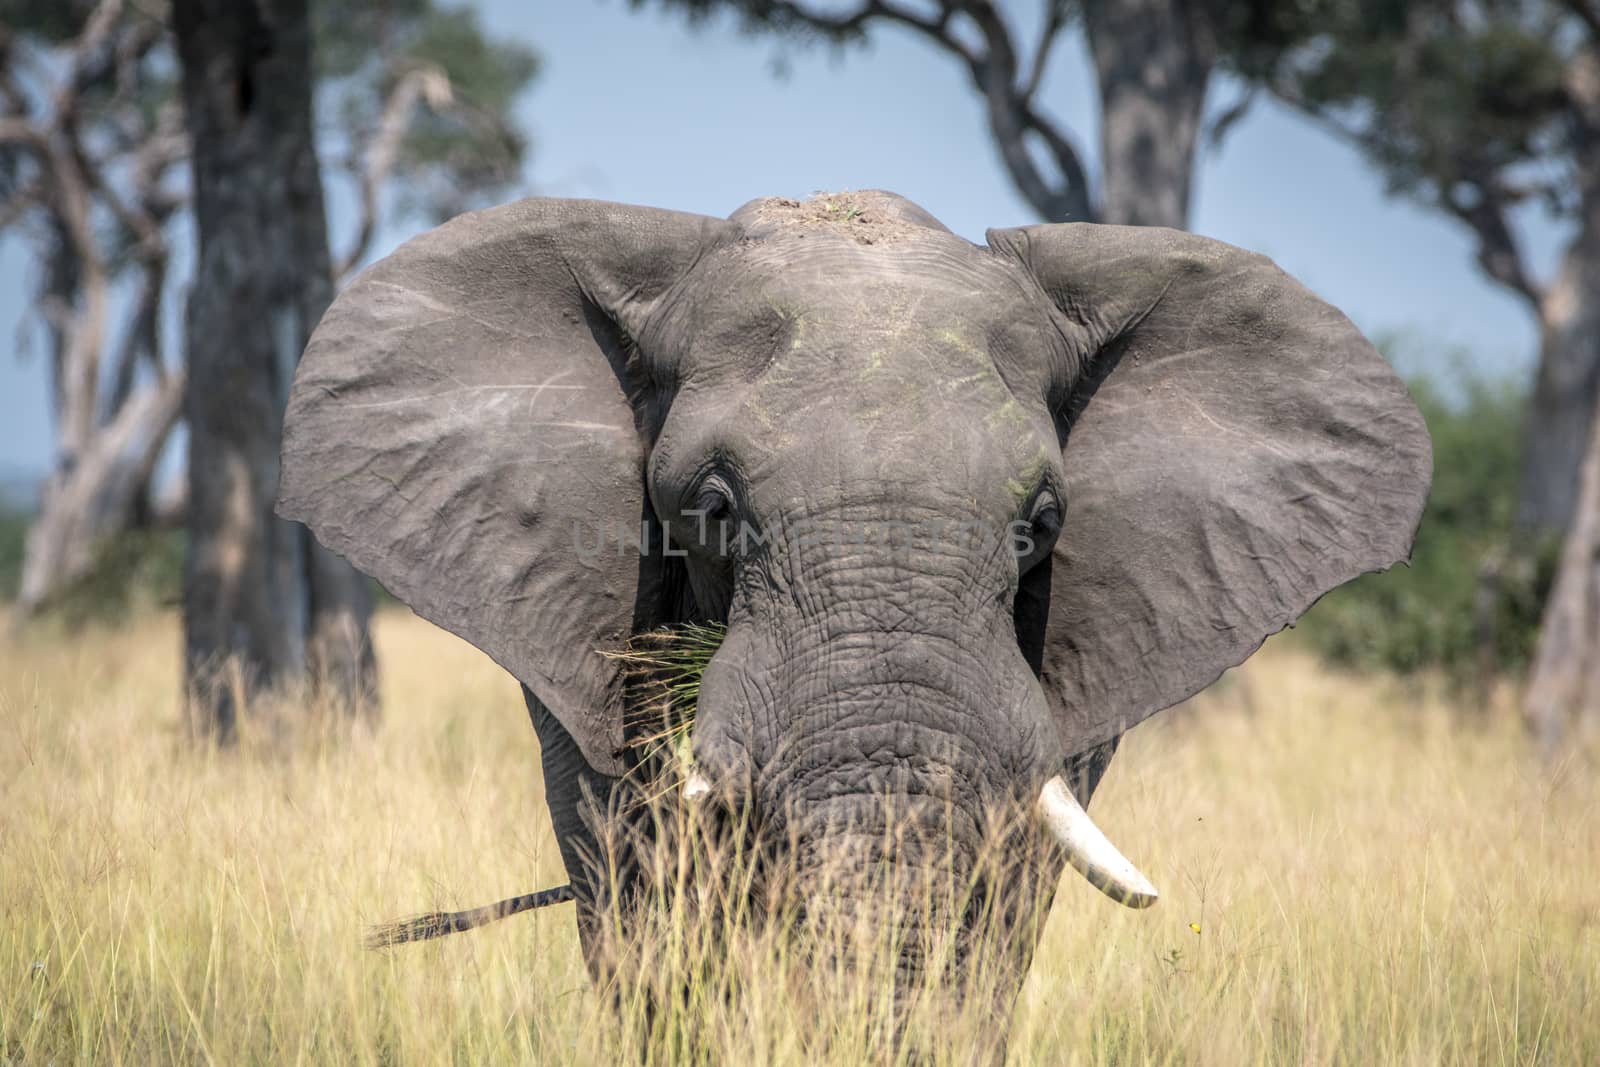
(975, 33)
(1153, 62)
(427, 83)
(1485, 207)
(1589, 12)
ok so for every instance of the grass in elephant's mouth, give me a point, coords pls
(1377, 877)
(663, 670)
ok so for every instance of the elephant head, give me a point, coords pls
(968, 513)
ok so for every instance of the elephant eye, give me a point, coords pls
(709, 516)
(1042, 529)
(1047, 517)
(712, 502)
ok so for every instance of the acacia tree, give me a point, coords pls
(416, 119)
(1153, 63)
(89, 147)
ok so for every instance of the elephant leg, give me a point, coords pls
(582, 804)
(1026, 914)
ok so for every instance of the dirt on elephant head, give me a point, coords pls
(868, 216)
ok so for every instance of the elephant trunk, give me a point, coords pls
(885, 887)
(885, 743)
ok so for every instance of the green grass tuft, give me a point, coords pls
(663, 668)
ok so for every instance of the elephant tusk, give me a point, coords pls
(696, 787)
(1089, 850)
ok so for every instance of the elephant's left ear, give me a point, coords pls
(1235, 449)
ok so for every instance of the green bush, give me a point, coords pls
(138, 569)
(1473, 593)
(135, 570)
(141, 568)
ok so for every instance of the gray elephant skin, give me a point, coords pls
(967, 512)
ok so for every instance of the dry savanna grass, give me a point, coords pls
(1353, 872)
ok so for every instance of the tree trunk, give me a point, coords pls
(91, 492)
(1153, 60)
(98, 496)
(1562, 406)
(1561, 477)
(1564, 685)
(1560, 410)
(264, 605)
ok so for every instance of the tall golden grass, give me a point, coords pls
(1354, 871)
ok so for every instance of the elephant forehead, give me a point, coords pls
(899, 366)
(939, 275)
(935, 312)
(965, 466)
(935, 271)
(885, 402)
(916, 311)
(914, 355)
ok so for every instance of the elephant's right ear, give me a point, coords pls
(463, 428)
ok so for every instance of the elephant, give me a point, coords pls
(1111, 461)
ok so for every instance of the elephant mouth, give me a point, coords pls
(1084, 845)
(665, 666)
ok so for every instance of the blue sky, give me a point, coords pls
(633, 106)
